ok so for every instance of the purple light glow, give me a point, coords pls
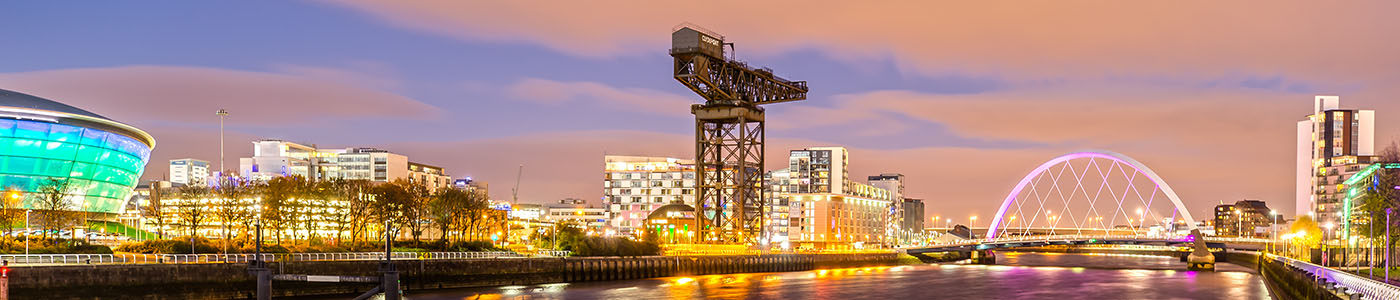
(1137, 166)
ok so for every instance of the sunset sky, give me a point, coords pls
(963, 97)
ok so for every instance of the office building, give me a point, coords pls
(274, 158)
(634, 186)
(594, 220)
(99, 158)
(1332, 144)
(189, 171)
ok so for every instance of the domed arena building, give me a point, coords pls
(41, 139)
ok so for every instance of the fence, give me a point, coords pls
(1340, 281)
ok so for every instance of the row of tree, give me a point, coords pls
(50, 207)
(293, 208)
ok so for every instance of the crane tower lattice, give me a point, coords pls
(729, 133)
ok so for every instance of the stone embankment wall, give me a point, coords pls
(232, 281)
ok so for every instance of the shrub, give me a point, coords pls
(613, 246)
(177, 246)
(39, 245)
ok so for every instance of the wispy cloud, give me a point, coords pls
(639, 100)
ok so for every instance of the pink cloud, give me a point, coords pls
(1036, 40)
(627, 99)
(144, 94)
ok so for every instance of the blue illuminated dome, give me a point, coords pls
(41, 139)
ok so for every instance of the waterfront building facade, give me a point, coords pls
(634, 186)
(822, 208)
(1332, 144)
(1244, 218)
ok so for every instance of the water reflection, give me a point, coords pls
(1019, 276)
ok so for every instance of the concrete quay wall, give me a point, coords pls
(232, 281)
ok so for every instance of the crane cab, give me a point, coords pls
(690, 39)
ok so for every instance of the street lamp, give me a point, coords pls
(1273, 217)
(26, 232)
(973, 225)
(1326, 253)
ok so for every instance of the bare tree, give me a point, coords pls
(444, 208)
(415, 209)
(51, 198)
(390, 200)
(152, 211)
(350, 213)
(230, 192)
(195, 207)
(11, 208)
(278, 211)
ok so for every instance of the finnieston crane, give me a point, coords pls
(728, 132)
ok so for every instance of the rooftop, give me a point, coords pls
(22, 100)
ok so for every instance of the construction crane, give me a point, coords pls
(728, 132)
(515, 191)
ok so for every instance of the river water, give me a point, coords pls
(1016, 276)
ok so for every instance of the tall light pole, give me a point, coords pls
(1273, 218)
(222, 114)
(26, 232)
(970, 227)
(1326, 253)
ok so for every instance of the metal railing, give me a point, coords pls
(348, 256)
(470, 255)
(194, 258)
(60, 258)
(554, 253)
(1076, 237)
(135, 258)
(1366, 287)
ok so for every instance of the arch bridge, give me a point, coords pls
(1089, 197)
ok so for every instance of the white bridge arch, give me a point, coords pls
(1001, 222)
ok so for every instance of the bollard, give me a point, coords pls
(5, 281)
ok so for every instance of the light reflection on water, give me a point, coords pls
(1018, 276)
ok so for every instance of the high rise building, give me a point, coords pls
(189, 171)
(634, 186)
(1332, 144)
(822, 207)
(911, 225)
(818, 170)
(274, 158)
(907, 220)
(893, 182)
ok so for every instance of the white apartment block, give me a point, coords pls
(1332, 144)
(189, 171)
(634, 186)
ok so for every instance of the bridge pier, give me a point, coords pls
(984, 257)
